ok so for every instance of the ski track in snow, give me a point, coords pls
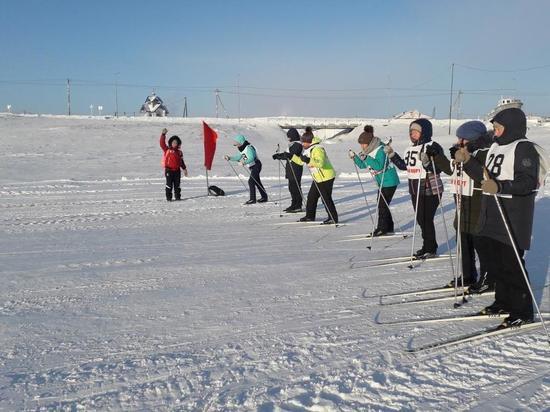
(113, 298)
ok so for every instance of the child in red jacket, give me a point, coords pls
(172, 162)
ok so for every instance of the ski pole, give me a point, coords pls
(297, 183)
(442, 212)
(236, 174)
(364, 195)
(280, 189)
(411, 266)
(459, 273)
(486, 175)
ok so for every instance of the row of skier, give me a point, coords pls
(495, 176)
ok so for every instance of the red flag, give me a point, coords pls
(210, 137)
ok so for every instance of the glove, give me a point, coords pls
(185, 172)
(351, 154)
(426, 160)
(462, 155)
(276, 156)
(452, 151)
(389, 151)
(164, 131)
(431, 151)
(285, 156)
(226, 157)
(490, 186)
(305, 159)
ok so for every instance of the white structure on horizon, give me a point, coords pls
(154, 106)
(505, 103)
(411, 114)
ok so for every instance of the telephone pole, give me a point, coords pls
(185, 107)
(69, 97)
(116, 93)
(451, 96)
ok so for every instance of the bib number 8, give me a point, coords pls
(495, 164)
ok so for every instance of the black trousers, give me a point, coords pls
(483, 250)
(511, 292)
(385, 220)
(323, 190)
(467, 244)
(173, 179)
(254, 181)
(295, 193)
(427, 206)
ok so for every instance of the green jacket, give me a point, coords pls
(319, 164)
(376, 160)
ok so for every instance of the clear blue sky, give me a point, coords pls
(311, 58)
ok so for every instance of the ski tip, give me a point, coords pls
(377, 318)
(364, 293)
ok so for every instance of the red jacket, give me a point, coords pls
(173, 158)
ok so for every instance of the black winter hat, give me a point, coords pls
(293, 135)
(176, 138)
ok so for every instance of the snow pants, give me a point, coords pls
(324, 191)
(385, 220)
(173, 179)
(427, 206)
(511, 292)
(254, 181)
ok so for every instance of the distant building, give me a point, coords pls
(154, 107)
(505, 103)
(411, 114)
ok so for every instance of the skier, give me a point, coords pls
(373, 157)
(248, 157)
(474, 136)
(293, 171)
(322, 172)
(425, 186)
(172, 161)
(511, 172)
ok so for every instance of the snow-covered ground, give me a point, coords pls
(113, 298)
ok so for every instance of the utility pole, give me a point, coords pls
(239, 96)
(451, 96)
(69, 97)
(185, 107)
(217, 100)
(116, 94)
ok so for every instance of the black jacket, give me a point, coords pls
(519, 209)
(294, 148)
(470, 205)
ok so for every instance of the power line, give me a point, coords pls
(503, 70)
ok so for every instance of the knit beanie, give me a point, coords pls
(471, 130)
(239, 139)
(307, 137)
(367, 135)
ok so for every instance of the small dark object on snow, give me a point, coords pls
(215, 191)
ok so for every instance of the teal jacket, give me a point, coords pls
(376, 160)
(247, 154)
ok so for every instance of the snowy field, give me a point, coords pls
(114, 299)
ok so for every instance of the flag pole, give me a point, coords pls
(207, 185)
